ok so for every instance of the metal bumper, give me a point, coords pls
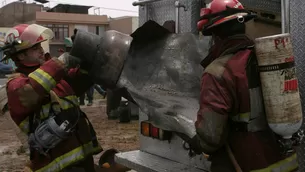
(144, 162)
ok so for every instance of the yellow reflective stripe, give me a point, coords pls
(242, 117)
(63, 105)
(66, 105)
(83, 71)
(43, 78)
(45, 111)
(285, 165)
(71, 157)
(56, 108)
(24, 125)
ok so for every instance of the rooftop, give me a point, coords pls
(42, 1)
(123, 17)
(69, 8)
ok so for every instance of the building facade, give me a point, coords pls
(62, 20)
(126, 24)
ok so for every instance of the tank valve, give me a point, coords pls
(298, 138)
(288, 145)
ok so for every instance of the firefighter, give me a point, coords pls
(230, 128)
(42, 101)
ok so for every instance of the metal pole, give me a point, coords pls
(283, 20)
(177, 22)
(178, 5)
(285, 16)
(287, 12)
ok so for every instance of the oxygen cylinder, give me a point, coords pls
(279, 84)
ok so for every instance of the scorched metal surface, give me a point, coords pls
(273, 6)
(164, 10)
(163, 76)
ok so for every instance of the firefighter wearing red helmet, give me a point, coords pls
(231, 124)
(42, 100)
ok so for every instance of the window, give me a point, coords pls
(100, 30)
(60, 31)
(97, 30)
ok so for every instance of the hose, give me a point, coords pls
(232, 158)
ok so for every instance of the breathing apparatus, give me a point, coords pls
(56, 128)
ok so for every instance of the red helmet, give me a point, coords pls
(218, 7)
(26, 36)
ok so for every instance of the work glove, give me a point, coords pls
(69, 61)
(191, 144)
(195, 146)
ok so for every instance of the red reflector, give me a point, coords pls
(154, 132)
(147, 129)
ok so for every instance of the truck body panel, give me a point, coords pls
(170, 106)
(154, 153)
(165, 10)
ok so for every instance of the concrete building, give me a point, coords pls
(63, 19)
(18, 12)
(126, 24)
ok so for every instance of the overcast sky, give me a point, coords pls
(112, 8)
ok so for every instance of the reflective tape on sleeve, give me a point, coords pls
(43, 78)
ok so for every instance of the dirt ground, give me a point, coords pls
(111, 134)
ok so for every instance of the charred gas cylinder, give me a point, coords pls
(280, 88)
(104, 56)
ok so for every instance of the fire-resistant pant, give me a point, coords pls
(89, 93)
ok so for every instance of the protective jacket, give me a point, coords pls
(29, 104)
(231, 114)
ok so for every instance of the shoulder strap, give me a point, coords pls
(252, 71)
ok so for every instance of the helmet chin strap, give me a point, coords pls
(27, 66)
(26, 69)
(39, 62)
(31, 64)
